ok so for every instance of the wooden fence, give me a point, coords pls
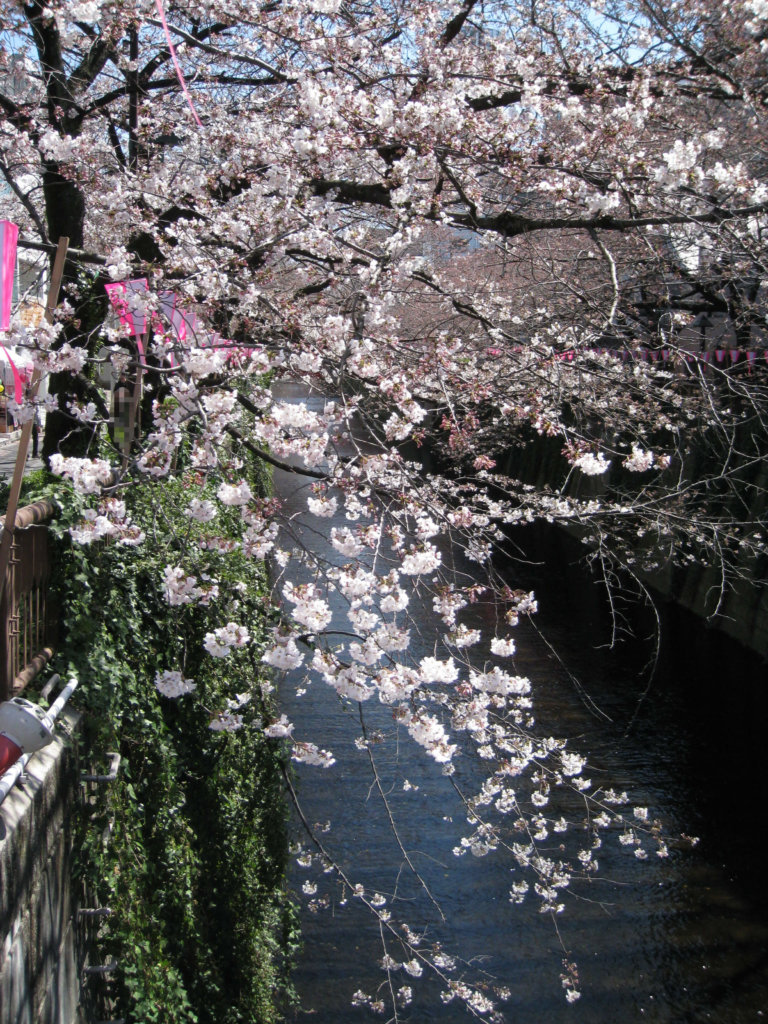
(27, 620)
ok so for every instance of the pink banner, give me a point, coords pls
(18, 380)
(9, 234)
(185, 325)
(645, 355)
(217, 340)
(179, 325)
(166, 303)
(136, 322)
(182, 323)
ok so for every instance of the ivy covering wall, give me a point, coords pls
(188, 846)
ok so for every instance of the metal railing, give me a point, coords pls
(27, 620)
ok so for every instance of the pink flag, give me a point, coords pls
(18, 382)
(179, 324)
(166, 303)
(186, 326)
(9, 234)
(167, 306)
(134, 320)
(118, 293)
(217, 340)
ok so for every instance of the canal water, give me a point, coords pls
(681, 939)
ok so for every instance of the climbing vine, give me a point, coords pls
(187, 846)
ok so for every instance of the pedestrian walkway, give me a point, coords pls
(9, 446)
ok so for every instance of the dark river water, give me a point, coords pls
(683, 939)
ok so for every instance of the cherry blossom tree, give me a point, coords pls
(480, 229)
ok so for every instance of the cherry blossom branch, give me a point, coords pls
(286, 467)
(393, 827)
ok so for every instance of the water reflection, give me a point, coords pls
(671, 941)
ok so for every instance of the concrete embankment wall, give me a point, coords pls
(40, 958)
(739, 609)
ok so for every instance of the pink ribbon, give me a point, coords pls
(9, 234)
(176, 64)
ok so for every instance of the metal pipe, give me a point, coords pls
(11, 777)
(103, 968)
(52, 682)
(114, 765)
(62, 699)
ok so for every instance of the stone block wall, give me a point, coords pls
(40, 960)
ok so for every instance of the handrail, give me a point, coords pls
(26, 628)
(41, 511)
(32, 515)
(9, 779)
